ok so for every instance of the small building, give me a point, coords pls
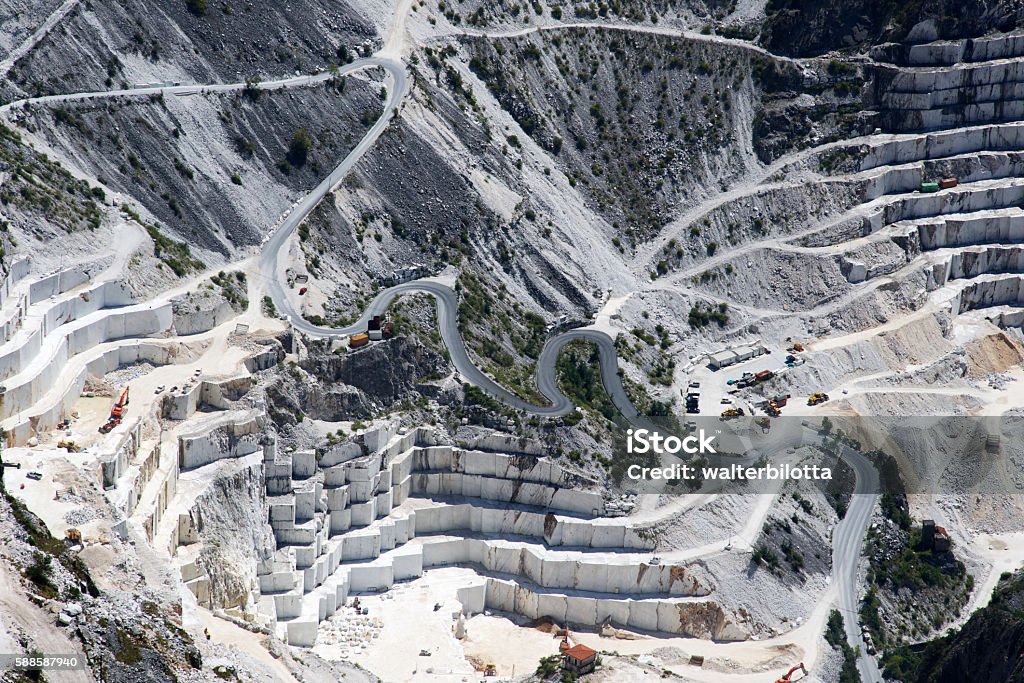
(731, 356)
(722, 359)
(579, 660)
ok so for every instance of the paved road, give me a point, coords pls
(847, 542)
(849, 534)
(447, 298)
(447, 309)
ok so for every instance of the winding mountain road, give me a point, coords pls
(447, 298)
(849, 534)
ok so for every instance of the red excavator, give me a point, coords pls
(788, 678)
(116, 413)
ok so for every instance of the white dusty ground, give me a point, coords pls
(865, 346)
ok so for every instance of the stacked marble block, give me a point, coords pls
(342, 525)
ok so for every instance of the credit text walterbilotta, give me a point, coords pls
(642, 441)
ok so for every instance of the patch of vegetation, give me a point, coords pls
(40, 573)
(49, 547)
(298, 149)
(835, 635)
(196, 7)
(177, 255)
(703, 314)
(233, 287)
(579, 377)
(763, 555)
(39, 186)
(505, 336)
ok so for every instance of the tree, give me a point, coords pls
(547, 666)
(826, 425)
(298, 150)
(196, 7)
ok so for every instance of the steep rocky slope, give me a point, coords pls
(105, 44)
(989, 648)
(216, 168)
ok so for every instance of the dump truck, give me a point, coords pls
(947, 183)
(357, 340)
(816, 398)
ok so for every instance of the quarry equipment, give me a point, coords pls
(816, 398)
(789, 674)
(772, 409)
(70, 445)
(73, 536)
(732, 412)
(490, 670)
(117, 413)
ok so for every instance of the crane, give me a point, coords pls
(789, 674)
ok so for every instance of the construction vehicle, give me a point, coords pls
(816, 398)
(70, 445)
(788, 678)
(490, 670)
(73, 536)
(772, 409)
(732, 412)
(117, 413)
